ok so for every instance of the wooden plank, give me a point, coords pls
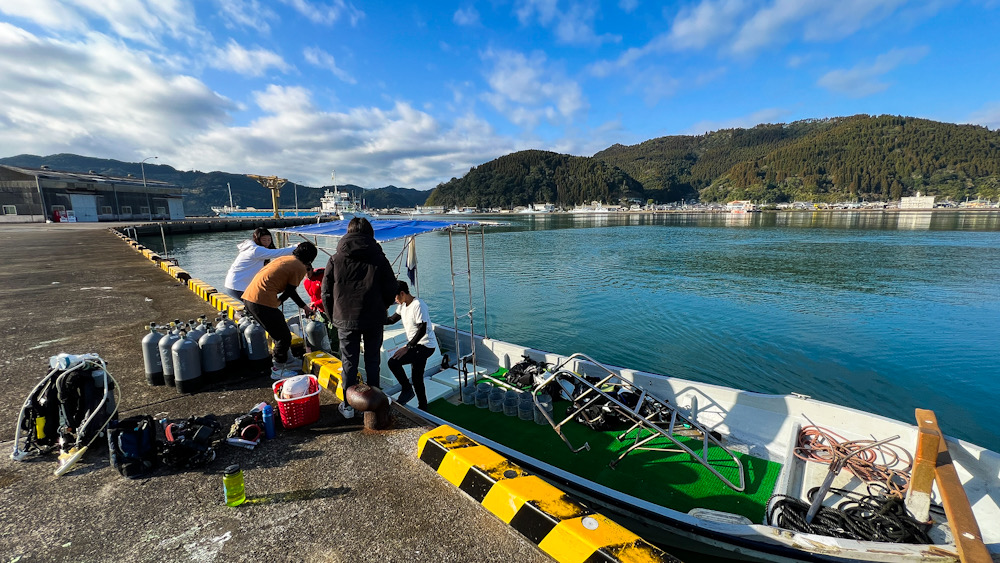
(961, 519)
(918, 497)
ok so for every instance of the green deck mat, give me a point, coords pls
(671, 480)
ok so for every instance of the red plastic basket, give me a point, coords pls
(300, 410)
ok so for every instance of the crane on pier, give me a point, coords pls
(274, 184)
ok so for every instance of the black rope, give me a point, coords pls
(859, 517)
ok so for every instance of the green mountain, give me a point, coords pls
(534, 176)
(203, 190)
(857, 157)
(836, 159)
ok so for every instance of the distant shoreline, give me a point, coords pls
(727, 212)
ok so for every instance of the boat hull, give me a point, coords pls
(767, 423)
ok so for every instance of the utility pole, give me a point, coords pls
(274, 184)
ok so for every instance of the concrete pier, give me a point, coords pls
(328, 492)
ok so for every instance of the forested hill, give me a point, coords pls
(863, 157)
(532, 176)
(202, 190)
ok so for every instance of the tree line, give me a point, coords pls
(859, 157)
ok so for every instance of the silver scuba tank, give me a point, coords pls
(230, 340)
(256, 338)
(195, 331)
(317, 336)
(241, 329)
(213, 356)
(187, 364)
(151, 355)
(166, 359)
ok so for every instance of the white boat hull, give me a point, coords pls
(767, 425)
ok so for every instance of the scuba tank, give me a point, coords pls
(226, 329)
(241, 329)
(257, 352)
(166, 359)
(151, 355)
(195, 332)
(213, 356)
(187, 364)
(317, 335)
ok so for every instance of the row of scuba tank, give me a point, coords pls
(192, 355)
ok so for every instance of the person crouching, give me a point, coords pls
(264, 295)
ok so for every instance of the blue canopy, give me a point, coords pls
(385, 229)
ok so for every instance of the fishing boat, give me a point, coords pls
(706, 468)
(339, 204)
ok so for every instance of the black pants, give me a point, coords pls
(273, 321)
(417, 358)
(350, 352)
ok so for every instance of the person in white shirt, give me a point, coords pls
(421, 344)
(254, 254)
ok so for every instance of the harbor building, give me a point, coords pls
(917, 202)
(41, 194)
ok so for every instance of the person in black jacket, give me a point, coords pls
(358, 287)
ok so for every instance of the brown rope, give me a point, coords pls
(823, 446)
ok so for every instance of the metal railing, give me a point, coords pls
(652, 418)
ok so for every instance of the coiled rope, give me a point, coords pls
(823, 446)
(880, 515)
(859, 517)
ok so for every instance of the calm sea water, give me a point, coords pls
(882, 312)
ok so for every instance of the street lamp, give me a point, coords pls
(149, 206)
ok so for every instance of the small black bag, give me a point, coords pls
(133, 446)
(525, 373)
(190, 442)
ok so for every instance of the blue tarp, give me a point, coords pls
(385, 229)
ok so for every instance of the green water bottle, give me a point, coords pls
(232, 485)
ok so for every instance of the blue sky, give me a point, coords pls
(413, 94)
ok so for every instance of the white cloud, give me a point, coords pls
(573, 26)
(704, 24)
(767, 115)
(987, 116)
(326, 14)
(247, 13)
(863, 79)
(744, 27)
(51, 14)
(143, 21)
(466, 16)
(628, 6)
(527, 90)
(322, 59)
(100, 97)
(249, 62)
(767, 25)
(95, 95)
(367, 146)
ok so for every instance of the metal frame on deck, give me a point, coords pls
(642, 414)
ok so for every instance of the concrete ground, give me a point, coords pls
(328, 492)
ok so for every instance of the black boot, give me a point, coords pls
(405, 395)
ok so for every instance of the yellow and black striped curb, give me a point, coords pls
(223, 303)
(562, 528)
(327, 370)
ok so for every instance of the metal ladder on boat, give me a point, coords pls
(644, 429)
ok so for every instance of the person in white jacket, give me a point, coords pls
(254, 253)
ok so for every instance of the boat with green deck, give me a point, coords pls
(705, 467)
